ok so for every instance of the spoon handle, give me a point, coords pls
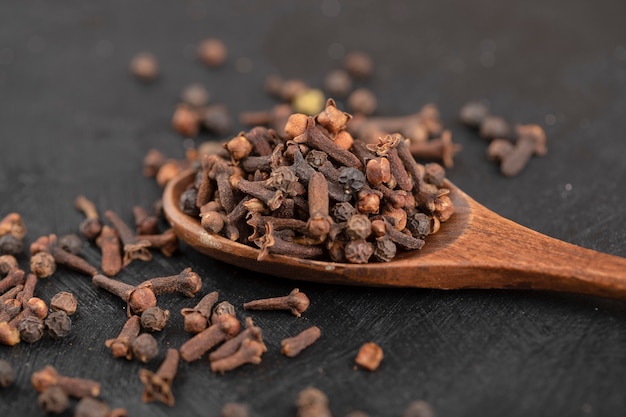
(513, 256)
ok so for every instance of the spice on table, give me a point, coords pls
(154, 319)
(137, 299)
(292, 346)
(74, 387)
(145, 223)
(338, 83)
(223, 327)
(229, 347)
(145, 347)
(7, 374)
(531, 140)
(186, 121)
(62, 257)
(473, 113)
(235, 410)
(43, 264)
(13, 278)
(358, 64)
(133, 247)
(166, 242)
(494, 127)
(419, 408)
(91, 226)
(9, 335)
(64, 301)
(144, 66)
(7, 263)
(58, 324)
(312, 402)
(212, 52)
(369, 356)
(362, 101)
(296, 302)
(53, 400)
(71, 243)
(109, 244)
(31, 329)
(196, 319)
(195, 95)
(187, 283)
(10, 245)
(121, 345)
(91, 407)
(13, 224)
(158, 385)
(249, 351)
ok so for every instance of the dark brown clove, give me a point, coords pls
(133, 247)
(166, 242)
(91, 226)
(231, 346)
(292, 346)
(109, 244)
(74, 387)
(137, 298)
(121, 345)
(158, 385)
(223, 327)
(250, 351)
(196, 319)
(296, 302)
(187, 283)
(69, 260)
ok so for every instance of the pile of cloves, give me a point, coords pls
(317, 192)
(510, 147)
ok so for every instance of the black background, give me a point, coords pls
(72, 120)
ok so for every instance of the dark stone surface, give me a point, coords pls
(72, 120)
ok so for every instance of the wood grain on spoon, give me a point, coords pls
(476, 248)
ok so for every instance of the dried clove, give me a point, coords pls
(53, 400)
(64, 301)
(61, 257)
(212, 52)
(74, 387)
(296, 302)
(187, 283)
(312, 402)
(71, 243)
(7, 263)
(144, 66)
(158, 386)
(229, 347)
(137, 299)
(31, 329)
(235, 410)
(223, 327)
(134, 248)
(145, 347)
(154, 319)
(419, 408)
(250, 351)
(121, 345)
(292, 346)
(369, 356)
(109, 244)
(196, 319)
(6, 374)
(91, 226)
(42, 264)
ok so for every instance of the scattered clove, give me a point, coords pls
(158, 386)
(145, 347)
(292, 346)
(154, 319)
(312, 402)
(74, 387)
(296, 302)
(6, 374)
(196, 319)
(53, 400)
(64, 301)
(91, 226)
(121, 345)
(369, 357)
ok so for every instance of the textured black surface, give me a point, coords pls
(73, 121)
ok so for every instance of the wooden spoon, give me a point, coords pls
(476, 248)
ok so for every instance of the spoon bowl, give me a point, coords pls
(475, 248)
